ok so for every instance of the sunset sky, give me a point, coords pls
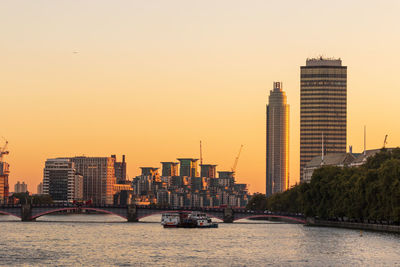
(150, 79)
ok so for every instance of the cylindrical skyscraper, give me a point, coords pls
(277, 141)
(323, 101)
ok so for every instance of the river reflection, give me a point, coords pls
(108, 240)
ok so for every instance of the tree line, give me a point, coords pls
(368, 192)
(25, 198)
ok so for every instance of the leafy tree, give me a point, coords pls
(42, 199)
(24, 198)
(371, 191)
(257, 202)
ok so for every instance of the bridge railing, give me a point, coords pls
(10, 206)
(154, 207)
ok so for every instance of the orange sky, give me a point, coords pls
(152, 78)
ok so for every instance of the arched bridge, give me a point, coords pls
(133, 213)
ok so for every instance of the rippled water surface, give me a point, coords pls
(70, 240)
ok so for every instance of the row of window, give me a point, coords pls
(320, 94)
(326, 144)
(333, 83)
(329, 121)
(331, 107)
(322, 90)
(313, 151)
(337, 133)
(337, 103)
(327, 95)
(336, 111)
(328, 126)
(323, 100)
(328, 134)
(318, 138)
(307, 115)
(324, 75)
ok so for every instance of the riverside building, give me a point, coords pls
(188, 189)
(20, 187)
(39, 189)
(61, 181)
(99, 177)
(323, 104)
(170, 168)
(120, 169)
(4, 188)
(188, 167)
(277, 158)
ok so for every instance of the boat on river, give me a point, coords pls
(187, 220)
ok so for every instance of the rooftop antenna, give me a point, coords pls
(201, 155)
(322, 148)
(385, 141)
(365, 140)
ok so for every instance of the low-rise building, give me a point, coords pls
(363, 157)
(334, 159)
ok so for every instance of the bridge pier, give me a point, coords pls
(26, 213)
(228, 215)
(132, 213)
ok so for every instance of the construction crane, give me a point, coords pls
(3, 150)
(237, 159)
(385, 141)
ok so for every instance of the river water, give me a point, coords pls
(104, 240)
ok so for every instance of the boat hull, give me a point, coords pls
(214, 225)
(191, 226)
(185, 220)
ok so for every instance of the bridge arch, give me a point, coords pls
(74, 208)
(11, 214)
(174, 211)
(298, 220)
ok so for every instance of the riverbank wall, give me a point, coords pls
(352, 225)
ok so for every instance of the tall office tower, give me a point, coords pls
(277, 160)
(208, 170)
(120, 169)
(61, 181)
(188, 167)
(98, 178)
(4, 172)
(20, 188)
(323, 115)
(169, 168)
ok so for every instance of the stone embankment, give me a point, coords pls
(354, 225)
